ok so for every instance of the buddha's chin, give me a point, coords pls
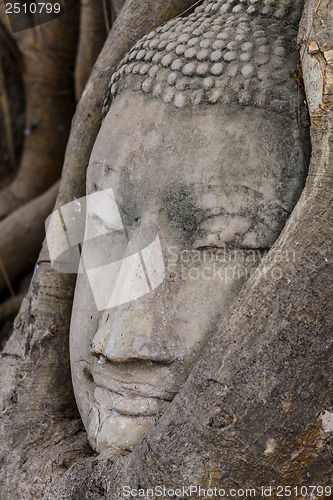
(110, 430)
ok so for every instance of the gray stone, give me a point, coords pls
(222, 31)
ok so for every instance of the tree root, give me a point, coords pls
(92, 37)
(22, 235)
(11, 107)
(48, 53)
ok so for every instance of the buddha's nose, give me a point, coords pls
(129, 333)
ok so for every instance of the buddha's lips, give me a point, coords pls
(132, 393)
(135, 406)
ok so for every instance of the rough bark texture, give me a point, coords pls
(41, 434)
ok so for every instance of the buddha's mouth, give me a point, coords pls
(129, 406)
(133, 392)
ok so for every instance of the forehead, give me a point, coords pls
(147, 151)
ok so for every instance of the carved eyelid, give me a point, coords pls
(224, 230)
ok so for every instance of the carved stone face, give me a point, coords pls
(200, 155)
(216, 186)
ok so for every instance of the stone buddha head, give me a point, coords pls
(198, 165)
